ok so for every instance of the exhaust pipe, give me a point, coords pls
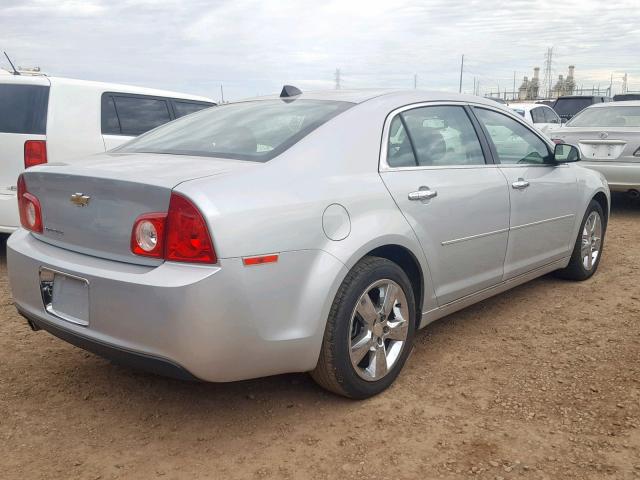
(633, 194)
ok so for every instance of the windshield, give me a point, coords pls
(256, 131)
(571, 106)
(607, 117)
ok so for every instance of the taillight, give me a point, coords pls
(35, 153)
(29, 208)
(147, 237)
(557, 141)
(180, 235)
(187, 238)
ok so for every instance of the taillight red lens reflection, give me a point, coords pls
(35, 153)
(29, 208)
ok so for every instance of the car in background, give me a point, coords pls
(540, 116)
(52, 119)
(301, 232)
(566, 107)
(608, 135)
(624, 97)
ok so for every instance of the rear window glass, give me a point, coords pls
(257, 131)
(23, 109)
(185, 108)
(607, 117)
(571, 106)
(139, 114)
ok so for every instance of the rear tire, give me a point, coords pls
(369, 331)
(587, 250)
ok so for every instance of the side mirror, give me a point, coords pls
(565, 153)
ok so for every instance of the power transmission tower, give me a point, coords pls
(337, 79)
(548, 71)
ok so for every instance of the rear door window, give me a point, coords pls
(550, 116)
(185, 108)
(137, 114)
(23, 109)
(440, 136)
(537, 115)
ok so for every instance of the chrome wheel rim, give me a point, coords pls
(591, 240)
(378, 329)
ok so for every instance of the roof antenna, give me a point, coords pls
(15, 71)
(290, 91)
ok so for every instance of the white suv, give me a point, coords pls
(49, 119)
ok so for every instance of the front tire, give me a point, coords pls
(587, 250)
(369, 331)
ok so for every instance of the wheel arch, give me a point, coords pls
(602, 199)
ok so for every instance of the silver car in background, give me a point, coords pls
(608, 135)
(307, 232)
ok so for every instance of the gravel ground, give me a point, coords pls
(542, 382)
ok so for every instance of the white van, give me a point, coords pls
(50, 119)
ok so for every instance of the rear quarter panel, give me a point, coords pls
(279, 206)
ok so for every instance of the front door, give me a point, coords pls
(456, 202)
(542, 194)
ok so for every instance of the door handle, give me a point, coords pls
(424, 193)
(520, 184)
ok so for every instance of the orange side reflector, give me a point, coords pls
(248, 261)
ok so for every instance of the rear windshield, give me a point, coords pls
(607, 117)
(256, 131)
(23, 109)
(571, 106)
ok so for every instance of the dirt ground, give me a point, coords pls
(542, 382)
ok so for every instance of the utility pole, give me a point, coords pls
(221, 94)
(415, 80)
(610, 85)
(461, 70)
(624, 83)
(514, 85)
(337, 79)
(474, 85)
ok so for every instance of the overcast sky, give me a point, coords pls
(253, 47)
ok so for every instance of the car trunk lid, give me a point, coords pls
(90, 207)
(603, 145)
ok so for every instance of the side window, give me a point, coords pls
(513, 142)
(550, 116)
(442, 136)
(110, 122)
(185, 108)
(139, 114)
(399, 148)
(537, 115)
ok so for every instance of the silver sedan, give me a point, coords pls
(608, 135)
(301, 233)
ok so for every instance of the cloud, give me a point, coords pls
(253, 47)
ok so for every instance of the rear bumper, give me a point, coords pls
(142, 361)
(621, 176)
(217, 323)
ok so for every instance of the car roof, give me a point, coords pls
(528, 106)
(42, 79)
(406, 96)
(625, 103)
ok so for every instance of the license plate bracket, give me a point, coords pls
(65, 296)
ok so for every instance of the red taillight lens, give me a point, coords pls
(187, 238)
(557, 141)
(35, 153)
(180, 235)
(147, 237)
(29, 208)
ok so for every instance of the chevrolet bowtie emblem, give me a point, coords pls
(80, 199)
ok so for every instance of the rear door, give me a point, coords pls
(543, 195)
(435, 167)
(125, 116)
(23, 116)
